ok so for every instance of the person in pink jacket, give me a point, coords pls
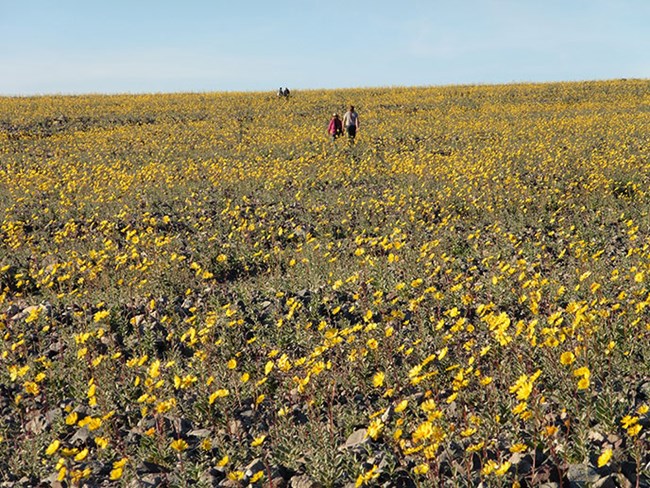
(335, 128)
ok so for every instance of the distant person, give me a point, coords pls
(280, 92)
(335, 128)
(351, 123)
(286, 92)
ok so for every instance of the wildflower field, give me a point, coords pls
(203, 290)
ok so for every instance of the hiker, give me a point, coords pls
(286, 92)
(351, 123)
(280, 92)
(335, 128)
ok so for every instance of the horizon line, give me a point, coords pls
(320, 89)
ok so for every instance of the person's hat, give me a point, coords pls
(335, 115)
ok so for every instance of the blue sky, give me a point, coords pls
(143, 46)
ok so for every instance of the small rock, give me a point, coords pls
(228, 483)
(56, 346)
(200, 433)
(278, 482)
(303, 481)
(212, 477)
(607, 482)
(148, 481)
(25, 312)
(581, 475)
(357, 438)
(234, 426)
(36, 425)
(387, 415)
(52, 414)
(52, 481)
(80, 436)
(615, 441)
(596, 437)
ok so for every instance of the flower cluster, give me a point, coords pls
(205, 286)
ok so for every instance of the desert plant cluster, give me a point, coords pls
(204, 290)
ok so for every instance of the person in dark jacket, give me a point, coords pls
(351, 123)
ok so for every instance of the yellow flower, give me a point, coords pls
(583, 371)
(31, 388)
(523, 387)
(378, 379)
(550, 430)
(81, 455)
(475, 447)
(452, 397)
(100, 315)
(583, 384)
(258, 441)
(375, 428)
(53, 447)
(69, 451)
(218, 394)
(489, 467)
(223, 461)
(401, 406)
(101, 442)
(90, 422)
(521, 407)
(604, 458)
(116, 474)
(503, 469)
(236, 475)
(429, 405)
(468, 432)
(179, 445)
(567, 358)
(268, 367)
(634, 430)
(519, 447)
(421, 469)
(232, 364)
(628, 421)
